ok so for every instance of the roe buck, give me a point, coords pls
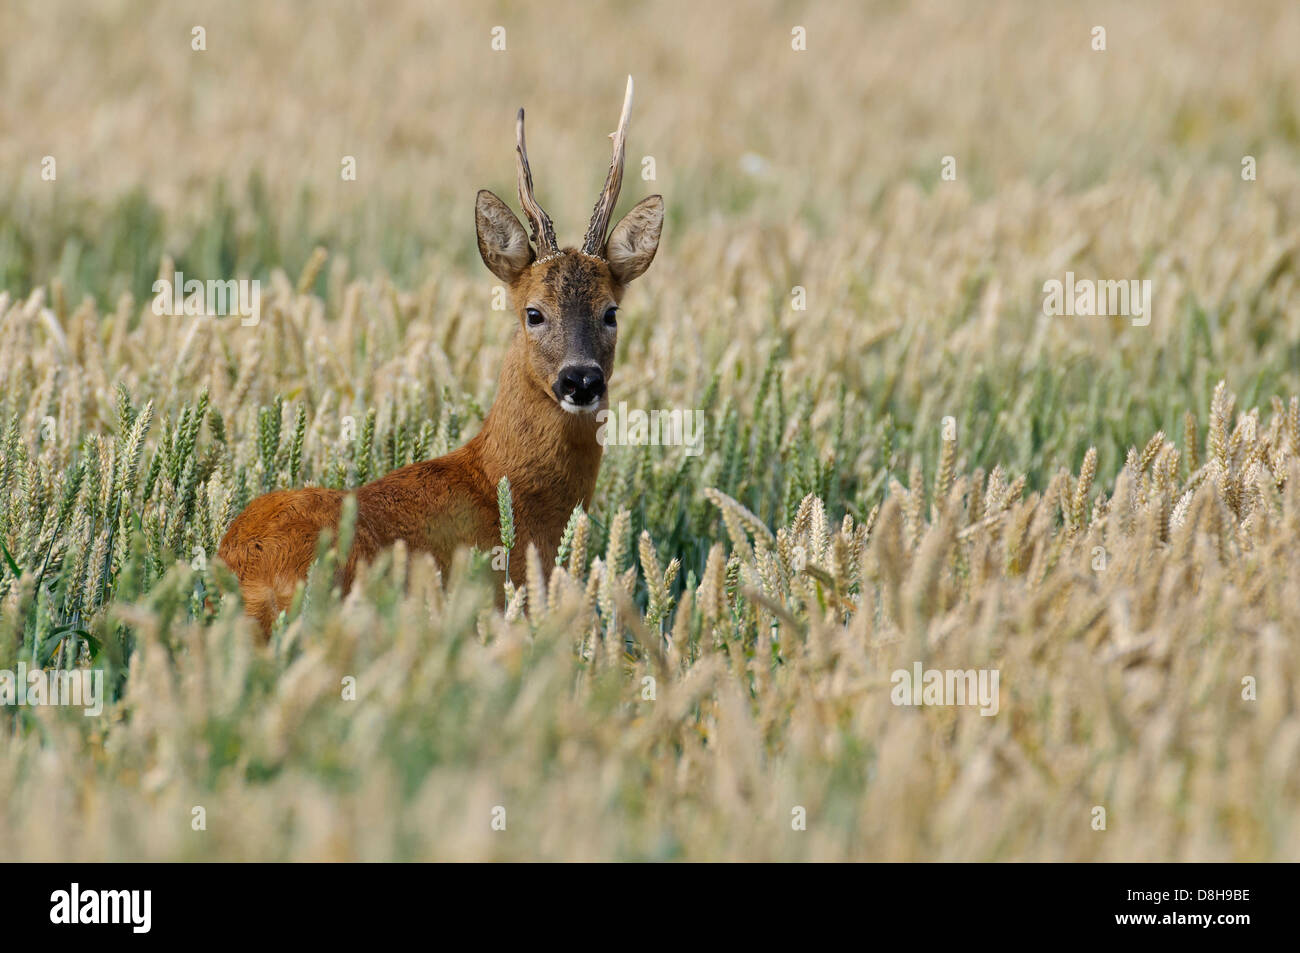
(540, 432)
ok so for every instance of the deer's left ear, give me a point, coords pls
(635, 239)
(502, 241)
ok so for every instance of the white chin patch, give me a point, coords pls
(573, 408)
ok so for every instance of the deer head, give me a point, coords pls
(567, 299)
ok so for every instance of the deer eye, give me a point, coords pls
(610, 320)
(535, 317)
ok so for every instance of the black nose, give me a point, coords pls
(581, 385)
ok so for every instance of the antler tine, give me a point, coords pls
(594, 243)
(543, 230)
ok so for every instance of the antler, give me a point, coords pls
(543, 230)
(594, 243)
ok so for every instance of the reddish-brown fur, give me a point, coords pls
(551, 456)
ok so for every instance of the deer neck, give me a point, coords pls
(551, 457)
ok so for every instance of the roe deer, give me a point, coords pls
(540, 432)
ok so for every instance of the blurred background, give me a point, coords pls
(231, 156)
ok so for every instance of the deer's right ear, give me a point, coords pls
(502, 241)
(633, 242)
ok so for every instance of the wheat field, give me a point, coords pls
(905, 459)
